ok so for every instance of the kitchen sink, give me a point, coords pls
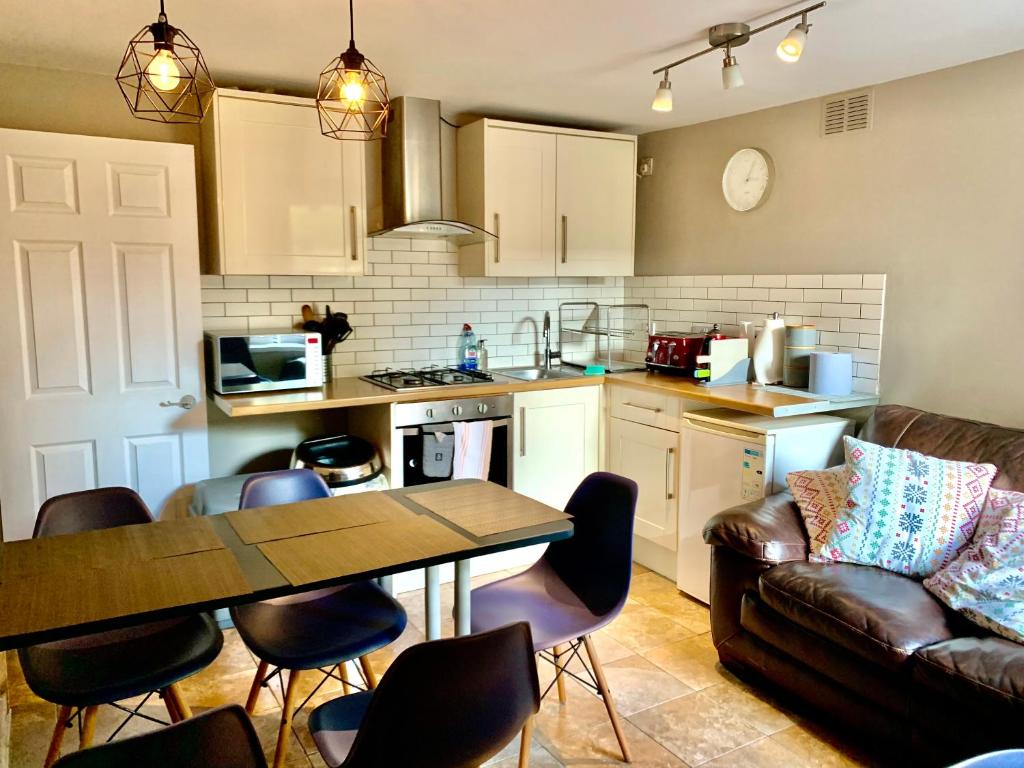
(532, 373)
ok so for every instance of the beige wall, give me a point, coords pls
(933, 196)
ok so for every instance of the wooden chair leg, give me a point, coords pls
(88, 726)
(184, 711)
(560, 651)
(346, 681)
(287, 710)
(602, 686)
(254, 691)
(524, 743)
(172, 710)
(371, 678)
(58, 736)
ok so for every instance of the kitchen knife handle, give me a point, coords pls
(497, 234)
(565, 239)
(353, 236)
(522, 431)
(669, 462)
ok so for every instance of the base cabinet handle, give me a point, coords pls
(669, 466)
(522, 431)
(650, 408)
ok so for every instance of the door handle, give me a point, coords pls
(353, 236)
(497, 234)
(187, 403)
(669, 461)
(650, 408)
(522, 431)
(565, 239)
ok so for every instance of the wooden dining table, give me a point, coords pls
(65, 586)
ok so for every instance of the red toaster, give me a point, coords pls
(676, 353)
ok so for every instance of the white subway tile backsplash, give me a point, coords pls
(415, 317)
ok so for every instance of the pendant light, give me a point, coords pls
(352, 97)
(163, 76)
(792, 44)
(663, 96)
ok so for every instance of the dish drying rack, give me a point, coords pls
(582, 325)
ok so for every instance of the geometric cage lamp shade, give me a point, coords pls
(163, 76)
(352, 94)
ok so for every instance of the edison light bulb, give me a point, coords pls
(352, 89)
(163, 71)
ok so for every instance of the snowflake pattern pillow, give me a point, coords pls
(905, 511)
(986, 583)
(821, 495)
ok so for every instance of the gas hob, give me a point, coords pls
(432, 377)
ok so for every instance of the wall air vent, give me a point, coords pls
(846, 113)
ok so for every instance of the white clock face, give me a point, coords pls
(747, 179)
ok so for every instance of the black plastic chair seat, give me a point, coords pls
(320, 628)
(220, 738)
(334, 726)
(120, 664)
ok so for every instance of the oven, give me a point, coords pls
(416, 423)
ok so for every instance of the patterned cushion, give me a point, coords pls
(986, 583)
(821, 495)
(906, 512)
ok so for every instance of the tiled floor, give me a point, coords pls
(680, 707)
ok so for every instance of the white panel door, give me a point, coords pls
(650, 457)
(556, 442)
(520, 181)
(291, 199)
(99, 320)
(596, 191)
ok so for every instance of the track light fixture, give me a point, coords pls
(732, 35)
(663, 96)
(792, 45)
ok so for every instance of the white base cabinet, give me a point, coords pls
(650, 457)
(555, 442)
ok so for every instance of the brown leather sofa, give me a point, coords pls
(863, 649)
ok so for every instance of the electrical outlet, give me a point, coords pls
(646, 167)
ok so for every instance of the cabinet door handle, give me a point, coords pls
(497, 234)
(650, 408)
(669, 462)
(522, 431)
(354, 235)
(565, 239)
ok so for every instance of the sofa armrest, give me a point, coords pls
(769, 530)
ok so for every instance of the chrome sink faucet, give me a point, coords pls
(548, 354)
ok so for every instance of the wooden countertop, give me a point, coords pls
(750, 398)
(351, 392)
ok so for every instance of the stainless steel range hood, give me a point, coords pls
(411, 193)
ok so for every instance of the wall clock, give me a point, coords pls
(747, 179)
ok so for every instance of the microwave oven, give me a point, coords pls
(262, 362)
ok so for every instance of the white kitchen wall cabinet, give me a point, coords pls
(280, 198)
(556, 442)
(561, 201)
(649, 456)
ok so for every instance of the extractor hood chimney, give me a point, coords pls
(411, 191)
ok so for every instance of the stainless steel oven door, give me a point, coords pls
(500, 471)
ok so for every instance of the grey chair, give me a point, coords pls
(85, 672)
(220, 738)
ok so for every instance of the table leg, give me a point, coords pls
(432, 596)
(462, 598)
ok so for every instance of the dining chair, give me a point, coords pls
(450, 703)
(220, 738)
(579, 585)
(83, 673)
(321, 629)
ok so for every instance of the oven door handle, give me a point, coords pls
(448, 427)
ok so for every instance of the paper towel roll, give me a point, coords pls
(831, 373)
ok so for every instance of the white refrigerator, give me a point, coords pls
(730, 458)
